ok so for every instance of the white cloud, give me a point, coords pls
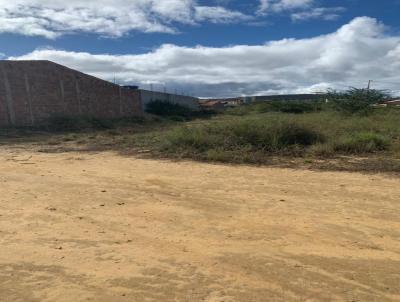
(352, 55)
(282, 5)
(53, 18)
(325, 13)
(264, 6)
(218, 14)
(299, 10)
(115, 18)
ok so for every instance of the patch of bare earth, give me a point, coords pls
(103, 227)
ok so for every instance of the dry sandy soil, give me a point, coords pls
(104, 227)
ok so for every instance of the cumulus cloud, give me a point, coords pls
(325, 13)
(218, 14)
(282, 5)
(299, 10)
(50, 19)
(355, 53)
(115, 18)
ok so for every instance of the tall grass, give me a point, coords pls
(362, 142)
(252, 133)
(176, 112)
(256, 133)
(63, 123)
(255, 137)
(240, 140)
(165, 108)
(295, 107)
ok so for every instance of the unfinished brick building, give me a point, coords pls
(32, 91)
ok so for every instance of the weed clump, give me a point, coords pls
(227, 140)
(296, 107)
(164, 108)
(64, 123)
(293, 107)
(68, 123)
(177, 112)
(362, 143)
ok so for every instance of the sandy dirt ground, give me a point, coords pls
(104, 227)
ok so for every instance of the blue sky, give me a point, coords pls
(212, 47)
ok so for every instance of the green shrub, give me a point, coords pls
(62, 123)
(249, 135)
(190, 137)
(177, 112)
(177, 118)
(262, 107)
(98, 123)
(294, 134)
(164, 108)
(68, 123)
(356, 100)
(221, 155)
(322, 150)
(296, 107)
(272, 136)
(395, 147)
(363, 142)
(240, 110)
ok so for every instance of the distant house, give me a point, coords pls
(234, 102)
(220, 104)
(393, 102)
(211, 104)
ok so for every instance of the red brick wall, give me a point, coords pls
(31, 91)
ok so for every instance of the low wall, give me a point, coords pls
(32, 91)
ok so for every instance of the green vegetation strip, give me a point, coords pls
(255, 134)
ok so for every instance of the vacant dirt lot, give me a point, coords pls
(103, 227)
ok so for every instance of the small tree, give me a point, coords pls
(356, 100)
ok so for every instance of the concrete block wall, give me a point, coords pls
(150, 96)
(32, 91)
